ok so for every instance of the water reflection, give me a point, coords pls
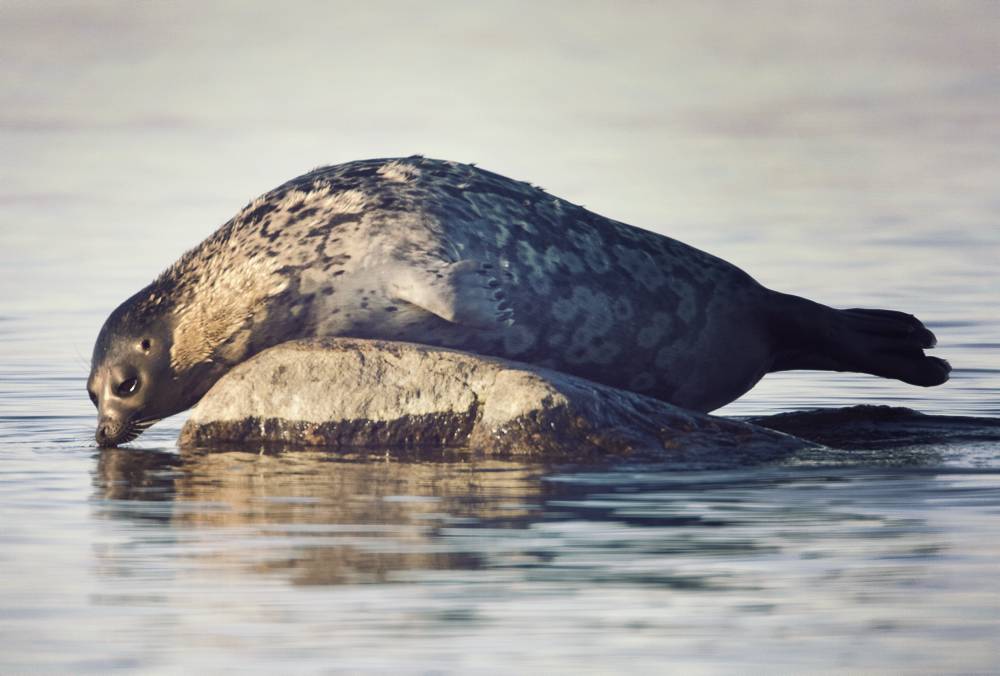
(372, 562)
(318, 519)
(324, 519)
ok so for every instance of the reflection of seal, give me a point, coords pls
(447, 254)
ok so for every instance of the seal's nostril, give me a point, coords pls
(103, 434)
(111, 431)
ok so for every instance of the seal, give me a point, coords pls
(451, 255)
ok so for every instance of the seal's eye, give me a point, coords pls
(93, 397)
(145, 344)
(128, 387)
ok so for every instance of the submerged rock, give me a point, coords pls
(348, 393)
(878, 427)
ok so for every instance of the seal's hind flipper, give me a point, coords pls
(884, 343)
(465, 292)
(891, 344)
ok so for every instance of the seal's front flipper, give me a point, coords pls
(467, 292)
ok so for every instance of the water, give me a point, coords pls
(845, 152)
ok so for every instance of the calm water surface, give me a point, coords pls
(848, 154)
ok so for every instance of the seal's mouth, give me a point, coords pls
(112, 433)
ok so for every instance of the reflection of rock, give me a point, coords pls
(318, 519)
(354, 393)
(873, 427)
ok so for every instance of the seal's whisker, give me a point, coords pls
(83, 360)
(130, 435)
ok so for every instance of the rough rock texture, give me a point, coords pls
(347, 393)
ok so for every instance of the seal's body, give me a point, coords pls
(448, 254)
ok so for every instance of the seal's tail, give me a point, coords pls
(884, 343)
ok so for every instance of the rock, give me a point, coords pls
(880, 427)
(348, 394)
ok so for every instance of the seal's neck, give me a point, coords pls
(219, 304)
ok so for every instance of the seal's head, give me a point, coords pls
(132, 382)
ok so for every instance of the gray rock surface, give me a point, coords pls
(348, 393)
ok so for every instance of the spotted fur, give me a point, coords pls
(449, 254)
